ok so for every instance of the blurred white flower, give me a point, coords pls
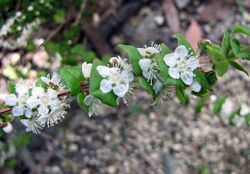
(18, 110)
(244, 109)
(94, 105)
(148, 68)
(86, 69)
(8, 128)
(32, 125)
(120, 63)
(227, 108)
(239, 120)
(30, 8)
(115, 79)
(181, 64)
(149, 52)
(11, 100)
(195, 86)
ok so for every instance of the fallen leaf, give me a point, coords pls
(171, 15)
(211, 12)
(194, 34)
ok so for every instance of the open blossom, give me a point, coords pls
(86, 69)
(115, 79)
(181, 64)
(150, 51)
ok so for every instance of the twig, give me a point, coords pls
(79, 14)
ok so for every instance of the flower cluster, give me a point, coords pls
(37, 106)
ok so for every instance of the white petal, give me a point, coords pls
(244, 109)
(196, 87)
(142, 51)
(32, 102)
(11, 100)
(152, 50)
(174, 73)
(192, 63)
(181, 51)
(28, 113)
(86, 69)
(145, 64)
(171, 59)
(45, 80)
(18, 111)
(127, 76)
(37, 91)
(103, 71)
(43, 110)
(187, 77)
(25, 122)
(121, 89)
(105, 86)
(8, 128)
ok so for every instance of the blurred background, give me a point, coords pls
(37, 37)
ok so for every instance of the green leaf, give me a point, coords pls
(80, 101)
(164, 68)
(10, 72)
(211, 77)
(200, 103)
(182, 41)
(72, 77)
(225, 46)
(218, 105)
(215, 53)
(149, 88)
(59, 16)
(243, 55)
(235, 44)
(221, 67)
(248, 119)
(109, 98)
(241, 29)
(11, 87)
(205, 169)
(181, 95)
(134, 56)
(199, 77)
(236, 65)
(95, 80)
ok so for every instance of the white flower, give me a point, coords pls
(148, 68)
(238, 120)
(244, 109)
(115, 79)
(86, 69)
(22, 88)
(8, 128)
(11, 100)
(94, 105)
(227, 108)
(32, 125)
(149, 51)
(18, 110)
(181, 65)
(30, 8)
(55, 81)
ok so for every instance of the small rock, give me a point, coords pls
(181, 3)
(159, 20)
(111, 169)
